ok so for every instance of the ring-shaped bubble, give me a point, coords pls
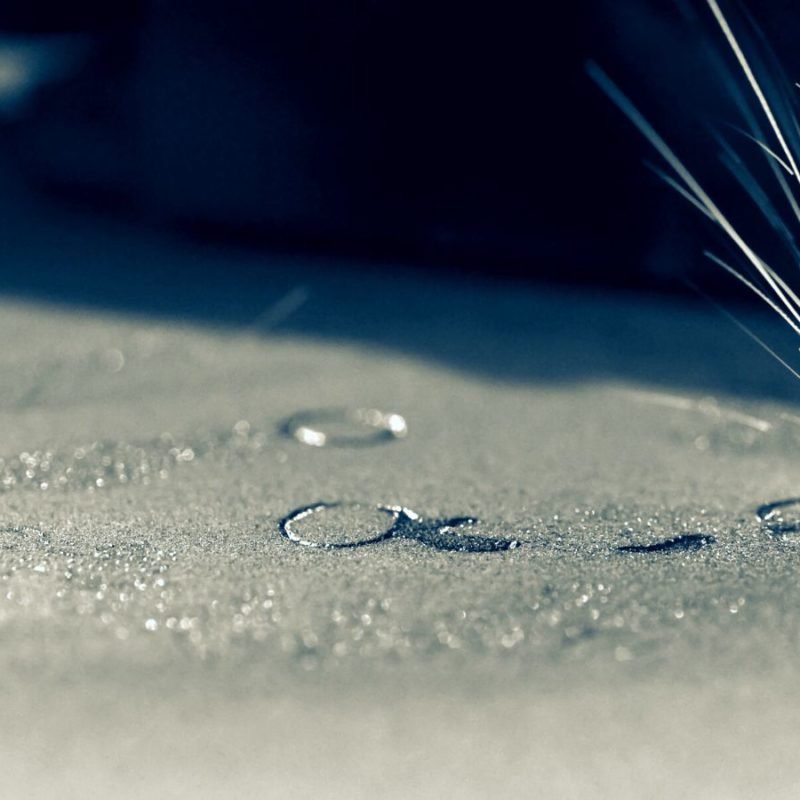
(369, 426)
(399, 517)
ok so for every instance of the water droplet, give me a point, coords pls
(622, 654)
(344, 428)
(447, 534)
(689, 541)
(781, 517)
(114, 359)
(242, 428)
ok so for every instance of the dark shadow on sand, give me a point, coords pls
(502, 330)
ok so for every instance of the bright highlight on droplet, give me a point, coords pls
(335, 427)
(310, 437)
(396, 424)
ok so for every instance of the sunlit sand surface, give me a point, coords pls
(160, 634)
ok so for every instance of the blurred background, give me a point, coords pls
(452, 137)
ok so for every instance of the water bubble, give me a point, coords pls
(711, 425)
(336, 427)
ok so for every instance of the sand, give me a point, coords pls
(159, 636)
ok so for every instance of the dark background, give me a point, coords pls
(450, 136)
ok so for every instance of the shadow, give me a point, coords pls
(500, 330)
(687, 542)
